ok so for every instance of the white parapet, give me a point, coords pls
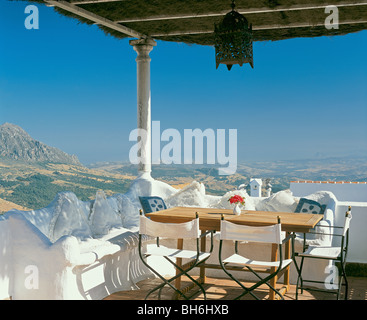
(343, 190)
(6, 267)
(357, 251)
(352, 194)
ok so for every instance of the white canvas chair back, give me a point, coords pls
(186, 230)
(232, 231)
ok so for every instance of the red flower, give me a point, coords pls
(236, 199)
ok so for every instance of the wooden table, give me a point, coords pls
(210, 220)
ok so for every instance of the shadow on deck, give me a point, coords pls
(224, 289)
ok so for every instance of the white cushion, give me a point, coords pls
(323, 197)
(327, 199)
(128, 210)
(322, 235)
(103, 217)
(282, 201)
(69, 217)
(192, 195)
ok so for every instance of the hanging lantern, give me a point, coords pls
(233, 40)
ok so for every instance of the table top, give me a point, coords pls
(210, 218)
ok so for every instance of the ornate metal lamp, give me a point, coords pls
(233, 40)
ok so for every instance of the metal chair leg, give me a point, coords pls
(266, 281)
(246, 290)
(164, 282)
(185, 272)
(299, 285)
(343, 276)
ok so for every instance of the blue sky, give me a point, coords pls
(72, 87)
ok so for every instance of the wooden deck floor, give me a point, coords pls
(224, 289)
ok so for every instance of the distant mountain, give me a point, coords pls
(16, 144)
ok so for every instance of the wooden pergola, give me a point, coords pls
(192, 22)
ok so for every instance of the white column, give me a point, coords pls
(143, 47)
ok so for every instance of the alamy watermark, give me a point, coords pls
(188, 148)
(32, 20)
(331, 281)
(332, 20)
(31, 281)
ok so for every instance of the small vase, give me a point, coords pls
(237, 209)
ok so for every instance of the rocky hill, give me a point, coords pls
(16, 144)
(32, 173)
(35, 185)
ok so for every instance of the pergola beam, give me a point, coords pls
(256, 28)
(75, 2)
(95, 18)
(279, 8)
(118, 26)
(241, 11)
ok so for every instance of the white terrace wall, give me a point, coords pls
(357, 250)
(343, 190)
(348, 194)
(5, 259)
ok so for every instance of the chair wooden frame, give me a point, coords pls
(196, 257)
(273, 268)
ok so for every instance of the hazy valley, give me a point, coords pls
(26, 183)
